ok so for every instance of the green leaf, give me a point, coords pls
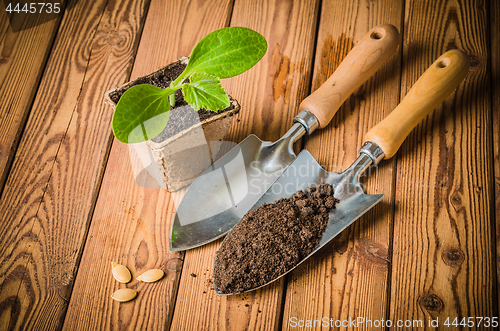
(141, 114)
(226, 52)
(205, 91)
(143, 110)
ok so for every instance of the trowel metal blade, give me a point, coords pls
(305, 172)
(224, 192)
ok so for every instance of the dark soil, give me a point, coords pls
(181, 116)
(272, 239)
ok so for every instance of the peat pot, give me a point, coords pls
(188, 145)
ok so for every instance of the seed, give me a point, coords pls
(121, 273)
(124, 294)
(151, 276)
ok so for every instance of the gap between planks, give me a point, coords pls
(140, 217)
(269, 93)
(50, 262)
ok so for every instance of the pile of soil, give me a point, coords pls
(179, 118)
(272, 239)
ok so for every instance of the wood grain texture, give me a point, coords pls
(443, 264)
(165, 40)
(4, 22)
(271, 91)
(427, 251)
(495, 110)
(23, 56)
(52, 188)
(349, 277)
(269, 94)
(131, 224)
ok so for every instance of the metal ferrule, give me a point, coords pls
(304, 122)
(373, 151)
(308, 121)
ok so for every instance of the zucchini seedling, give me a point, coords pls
(143, 110)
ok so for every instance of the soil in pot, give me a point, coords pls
(179, 120)
(272, 239)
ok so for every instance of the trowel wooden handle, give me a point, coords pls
(372, 51)
(437, 82)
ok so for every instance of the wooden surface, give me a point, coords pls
(440, 224)
(349, 277)
(495, 110)
(51, 189)
(267, 89)
(70, 206)
(23, 56)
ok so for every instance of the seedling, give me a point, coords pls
(143, 110)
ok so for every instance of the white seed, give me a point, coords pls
(124, 294)
(151, 276)
(121, 273)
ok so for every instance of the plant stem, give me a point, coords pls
(171, 99)
(170, 91)
(180, 79)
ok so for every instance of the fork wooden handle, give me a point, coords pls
(435, 85)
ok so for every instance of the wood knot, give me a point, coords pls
(456, 200)
(453, 256)
(114, 38)
(475, 62)
(174, 264)
(373, 253)
(360, 95)
(432, 302)
(340, 245)
(142, 255)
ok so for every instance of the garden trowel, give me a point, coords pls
(224, 192)
(381, 142)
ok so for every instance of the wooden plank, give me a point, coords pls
(52, 188)
(269, 94)
(23, 56)
(4, 23)
(443, 262)
(349, 278)
(495, 77)
(131, 223)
